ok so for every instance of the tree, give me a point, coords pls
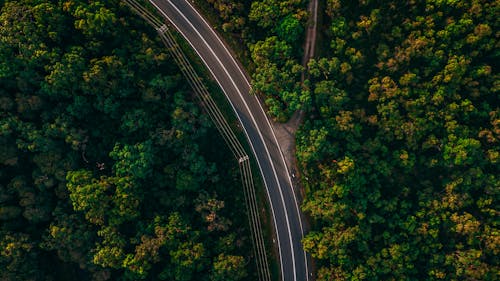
(107, 200)
(18, 257)
(228, 268)
(290, 29)
(398, 148)
(210, 209)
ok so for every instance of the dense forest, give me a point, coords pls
(400, 153)
(270, 32)
(108, 169)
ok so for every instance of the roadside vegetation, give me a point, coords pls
(270, 32)
(108, 169)
(400, 152)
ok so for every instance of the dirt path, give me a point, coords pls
(309, 48)
(310, 42)
(286, 132)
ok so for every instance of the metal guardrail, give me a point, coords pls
(211, 108)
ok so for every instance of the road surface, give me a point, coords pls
(231, 78)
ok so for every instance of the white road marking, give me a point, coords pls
(256, 126)
(269, 124)
(246, 133)
(246, 105)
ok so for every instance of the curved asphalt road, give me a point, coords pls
(234, 83)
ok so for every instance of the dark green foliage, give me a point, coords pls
(271, 32)
(228, 268)
(401, 155)
(107, 170)
(277, 56)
